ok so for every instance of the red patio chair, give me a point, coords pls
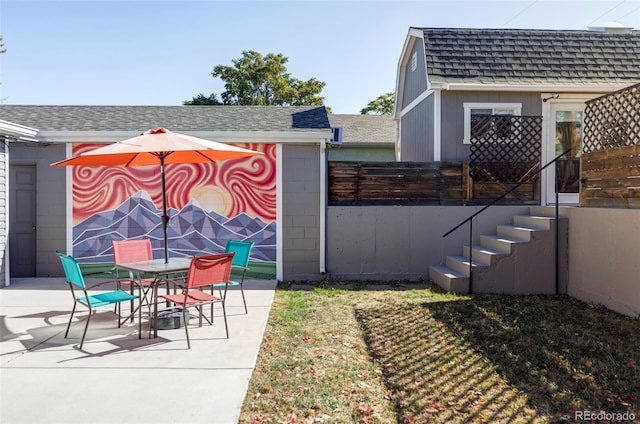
(203, 273)
(133, 251)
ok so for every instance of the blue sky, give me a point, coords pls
(117, 52)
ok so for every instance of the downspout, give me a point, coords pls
(323, 205)
(437, 126)
(5, 259)
(279, 213)
(69, 201)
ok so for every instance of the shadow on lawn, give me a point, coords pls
(504, 359)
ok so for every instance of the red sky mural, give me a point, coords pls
(229, 187)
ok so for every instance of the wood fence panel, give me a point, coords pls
(611, 178)
(397, 183)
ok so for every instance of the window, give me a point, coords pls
(472, 110)
(414, 61)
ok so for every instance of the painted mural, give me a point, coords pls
(208, 204)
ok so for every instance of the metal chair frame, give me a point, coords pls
(76, 281)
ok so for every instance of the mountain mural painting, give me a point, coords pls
(191, 231)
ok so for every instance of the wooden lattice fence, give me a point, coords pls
(504, 151)
(610, 169)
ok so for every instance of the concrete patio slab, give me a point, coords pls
(117, 377)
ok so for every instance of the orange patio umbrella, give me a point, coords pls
(159, 147)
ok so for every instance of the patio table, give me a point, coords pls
(158, 268)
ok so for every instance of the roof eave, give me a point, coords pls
(17, 132)
(564, 87)
(283, 137)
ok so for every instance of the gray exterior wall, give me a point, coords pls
(301, 206)
(4, 195)
(300, 212)
(400, 242)
(452, 115)
(417, 127)
(415, 82)
(604, 256)
(416, 133)
(50, 202)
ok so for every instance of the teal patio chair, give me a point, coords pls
(77, 284)
(242, 250)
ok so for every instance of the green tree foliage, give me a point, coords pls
(202, 100)
(257, 80)
(382, 105)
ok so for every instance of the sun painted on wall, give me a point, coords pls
(231, 187)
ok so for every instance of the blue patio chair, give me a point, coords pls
(77, 284)
(242, 250)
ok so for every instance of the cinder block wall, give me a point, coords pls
(301, 212)
(401, 242)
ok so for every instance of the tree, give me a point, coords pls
(257, 80)
(382, 105)
(201, 100)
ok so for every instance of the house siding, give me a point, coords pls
(371, 154)
(415, 82)
(4, 195)
(416, 137)
(452, 114)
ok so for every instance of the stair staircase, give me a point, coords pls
(518, 259)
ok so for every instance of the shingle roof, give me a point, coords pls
(365, 128)
(529, 56)
(174, 118)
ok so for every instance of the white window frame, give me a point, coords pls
(515, 108)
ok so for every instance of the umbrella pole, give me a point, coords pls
(165, 217)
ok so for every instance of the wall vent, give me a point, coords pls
(337, 136)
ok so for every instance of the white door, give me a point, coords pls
(564, 132)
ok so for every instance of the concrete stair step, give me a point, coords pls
(532, 221)
(495, 267)
(516, 232)
(460, 264)
(499, 243)
(484, 254)
(448, 279)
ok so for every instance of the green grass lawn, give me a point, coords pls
(407, 354)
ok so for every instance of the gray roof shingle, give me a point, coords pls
(174, 118)
(530, 56)
(365, 128)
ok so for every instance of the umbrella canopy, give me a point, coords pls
(158, 147)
